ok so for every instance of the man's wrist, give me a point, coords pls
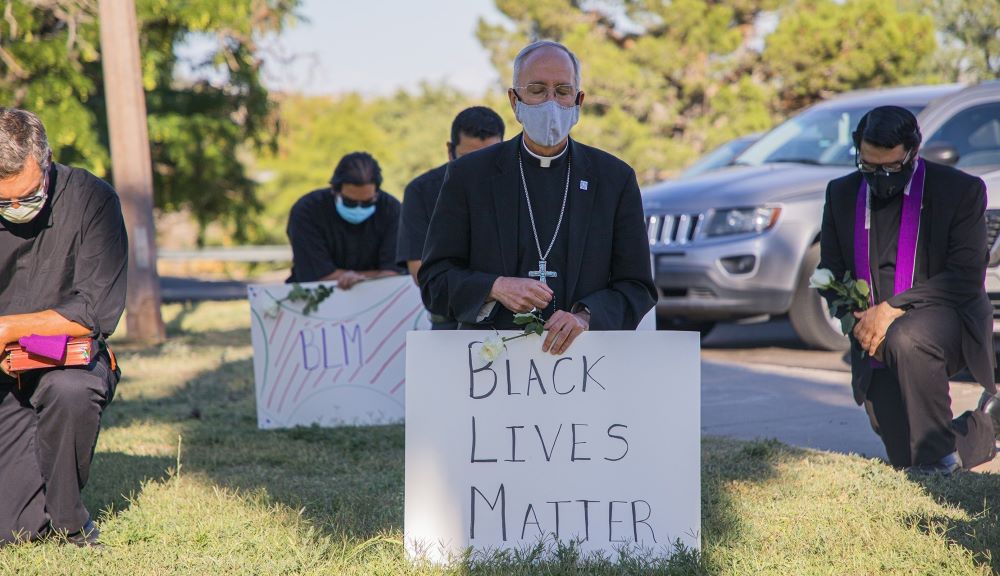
(494, 290)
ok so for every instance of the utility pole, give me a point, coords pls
(131, 165)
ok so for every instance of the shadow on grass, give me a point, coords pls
(348, 481)
(116, 478)
(979, 496)
(725, 462)
(127, 348)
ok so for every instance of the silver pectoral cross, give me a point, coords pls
(542, 274)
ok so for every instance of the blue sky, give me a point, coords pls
(375, 47)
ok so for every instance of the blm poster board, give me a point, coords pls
(343, 364)
(601, 445)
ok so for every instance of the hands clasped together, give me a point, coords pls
(524, 294)
(873, 324)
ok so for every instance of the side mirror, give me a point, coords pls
(941, 152)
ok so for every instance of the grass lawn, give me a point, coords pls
(184, 483)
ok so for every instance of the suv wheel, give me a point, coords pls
(809, 314)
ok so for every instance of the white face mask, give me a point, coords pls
(22, 214)
(547, 123)
(28, 208)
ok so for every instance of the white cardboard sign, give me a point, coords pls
(343, 364)
(600, 445)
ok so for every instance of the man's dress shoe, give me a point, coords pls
(86, 537)
(991, 406)
(945, 466)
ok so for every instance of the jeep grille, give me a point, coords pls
(992, 231)
(673, 229)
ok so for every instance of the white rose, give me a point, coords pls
(271, 311)
(821, 278)
(492, 348)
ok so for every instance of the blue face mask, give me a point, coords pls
(356, 214)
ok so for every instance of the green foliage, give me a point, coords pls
(681, 77)
(47, 59)
(312, 297)
(971, 31)
(852, 295)
(405, 132)
(198, 129)
(852, 44)
(532, 322)
(664, 84)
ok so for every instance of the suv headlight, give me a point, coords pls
(729, 221)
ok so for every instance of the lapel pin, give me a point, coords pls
(583, 184)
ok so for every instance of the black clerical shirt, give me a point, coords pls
(323, 242)
(886, 214)
(546, 188)
(419, 199)
(71, 258)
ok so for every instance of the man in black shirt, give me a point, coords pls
(540, 221)
(916, 231)
(347, 232)
(473, 129)
(63, 256)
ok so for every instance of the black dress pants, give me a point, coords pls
(909, 401)
(48, 431)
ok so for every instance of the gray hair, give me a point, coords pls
(523, 55)
(21, 134)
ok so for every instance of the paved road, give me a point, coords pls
(759, 381)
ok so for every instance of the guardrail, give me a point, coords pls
(230, 254)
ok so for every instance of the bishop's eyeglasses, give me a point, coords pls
(536, 93)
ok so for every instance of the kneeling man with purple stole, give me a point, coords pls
(916, 232)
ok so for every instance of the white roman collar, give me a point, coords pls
(545, 161)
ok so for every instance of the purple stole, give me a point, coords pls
(906, 247)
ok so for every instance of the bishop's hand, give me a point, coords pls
(562, 328)
(521, 294)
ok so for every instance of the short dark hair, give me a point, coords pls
(357, 168)
(888, 127)
(477, 122)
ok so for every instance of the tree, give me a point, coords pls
(970, 31)
(854, 44)
(405, 132)
(666, 80)
(198, 127)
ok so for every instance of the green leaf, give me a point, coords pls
(847, 323)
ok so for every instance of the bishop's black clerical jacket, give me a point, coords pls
(949, 270)
(476, 234)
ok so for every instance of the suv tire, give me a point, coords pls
(809, 315)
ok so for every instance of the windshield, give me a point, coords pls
(820, 137)
(718, 158)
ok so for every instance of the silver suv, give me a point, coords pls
(740, 243)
